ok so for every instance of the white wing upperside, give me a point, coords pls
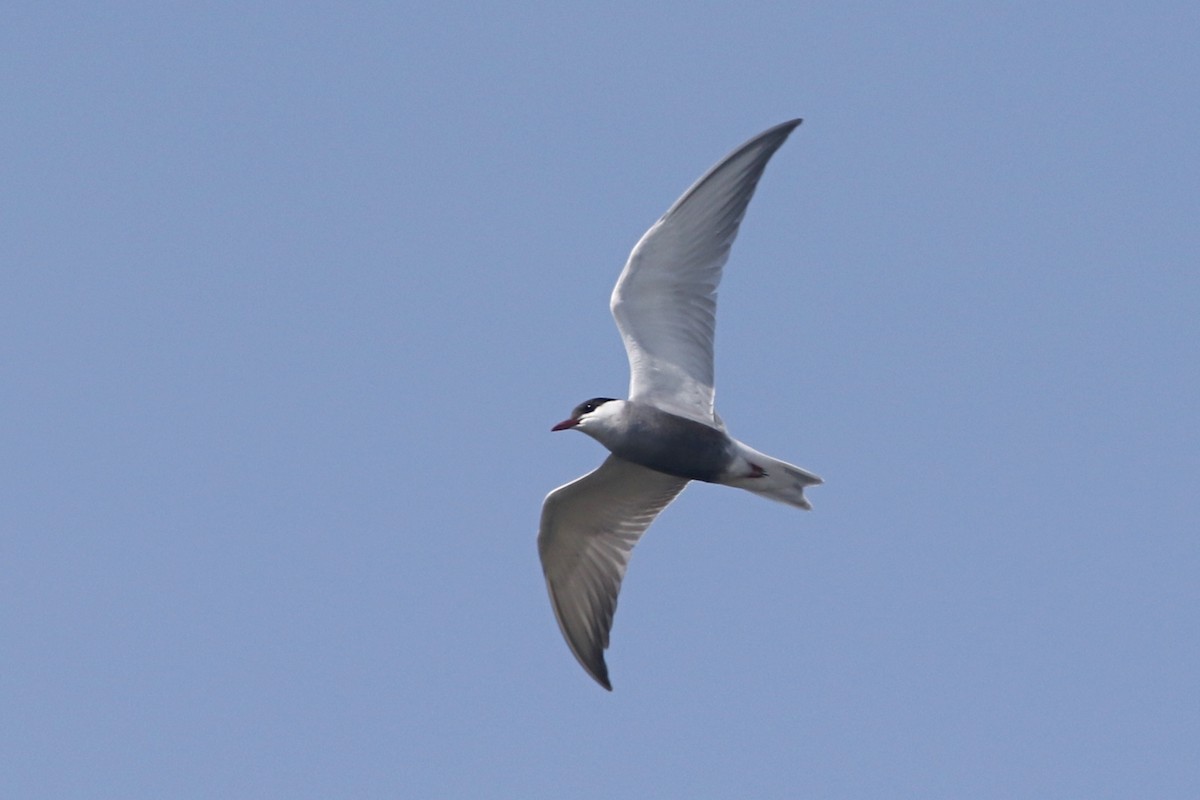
(665, 301)
(588, 530)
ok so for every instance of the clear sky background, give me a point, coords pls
(292, 294)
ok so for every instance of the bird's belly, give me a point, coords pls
(688, 450)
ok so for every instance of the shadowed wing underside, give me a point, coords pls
(665, 301)
(588, 530)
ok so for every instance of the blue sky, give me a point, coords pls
(292, 296)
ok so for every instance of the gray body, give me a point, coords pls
(671, 444)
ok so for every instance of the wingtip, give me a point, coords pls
(599, 673)
(782, 129)
(777, 134)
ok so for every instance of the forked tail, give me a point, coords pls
(759, 473)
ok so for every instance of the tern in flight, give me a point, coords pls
(667, 433)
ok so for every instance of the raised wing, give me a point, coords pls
(588, 531)
(665, 301)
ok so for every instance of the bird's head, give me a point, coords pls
(590, 414)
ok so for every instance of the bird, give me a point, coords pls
(667, 433)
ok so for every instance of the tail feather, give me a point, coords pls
(772, 478)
